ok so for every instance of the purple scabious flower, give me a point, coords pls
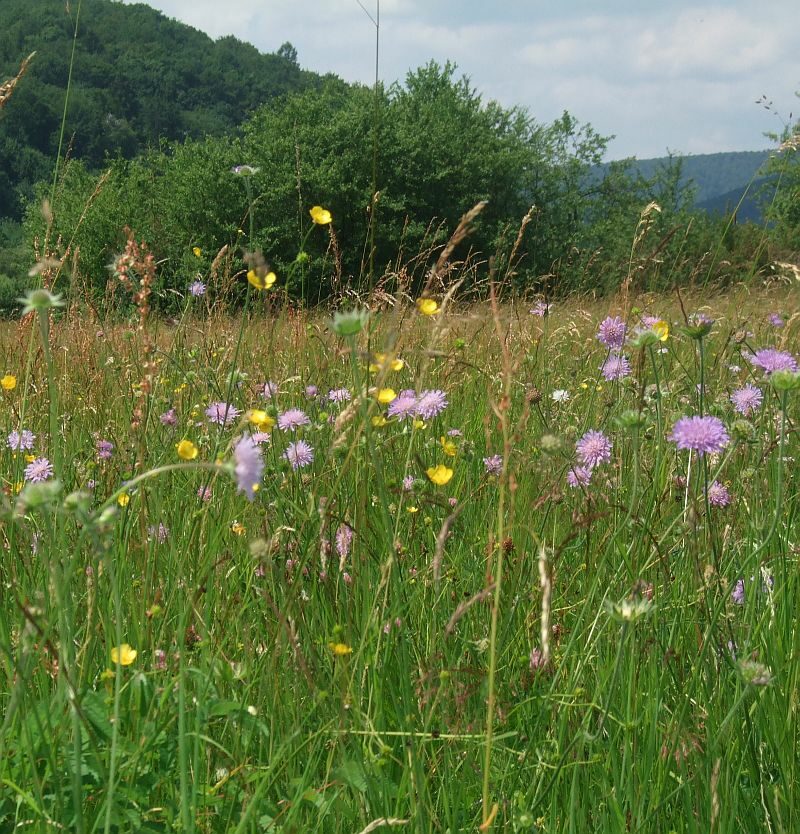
(616, 367)
(771, 360)
(249, 466)
(159, 533)
(21, 441)
(39, 470)
(403, 405)
(776, 320)
(408, 483)
(197, 288)
(270, 390)
(311, 391)
(222, 413)
(493, 465)
(261, 437)
(344, 538)
(737, 594)
(339, 395)
(169, 418)
(747, 400)
(579, 476)
(593, 448)
(292, 419)
(540, 308)
(299, 454)
(105, 449)
(718, 495)
(649, 321)
(700, 434)
(611, 333)
(430, 403)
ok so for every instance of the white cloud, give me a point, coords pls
(669, 75)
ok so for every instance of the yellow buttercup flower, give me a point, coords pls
(427, 306)
(448, 446)
(321, 216)
(386, 395)
(412, 509)
(8, 382)
(340, 649)
(382, 362)
(661, 329)
(379, 421)
(418, 424)
(187, 450)
(197, 251)
(30, 458)
(260, 419)
(439, 474)
(124, 655)
(123, 499)
(259, 281)
(238, 528)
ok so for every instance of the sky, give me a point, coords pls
(668, 76)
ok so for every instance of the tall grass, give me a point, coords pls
(285, 681)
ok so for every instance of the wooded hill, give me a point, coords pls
(138, 78)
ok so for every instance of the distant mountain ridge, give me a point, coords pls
(722, 181)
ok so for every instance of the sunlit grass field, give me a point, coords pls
(441, 568)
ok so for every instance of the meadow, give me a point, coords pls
(426, 562)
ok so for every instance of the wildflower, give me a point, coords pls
(650, 321)
(261, 278)
(160, 533)
(379, 421)
(403, 405)
(386, 395)
(19, 441)
(204, 493)
(700, 434)
(344, 538)
(430, 403)
(428, 306)
(579, 476)
(349, 322)
(747, 400)
(383, 362)
(448, 447)
(169, 418)
(292, 419)
(340, 649)
(311, 391)
(755, 673)
(222, 413)
(187, 450)
(718, 495)
(249, 467)
(197, 288)
(39, 301)
(560, 396)
(339, 395)
(260, 419)
(105, 449)
(737, 594)
(197, 251)
(124, 655)
(260, 437)
(439, 474)
(593, 448)
(408, 483)
(299, 454)
(776, 320)
(699, 326)
(320, 216)
(270, 390)
(38, 470)
(8, 382)
(123, 499)
(493, 465)
(611, 333)
(244, 170)
(616, 367)
(540, 308)
(771, 360)
(159, 660)
(237, 528)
